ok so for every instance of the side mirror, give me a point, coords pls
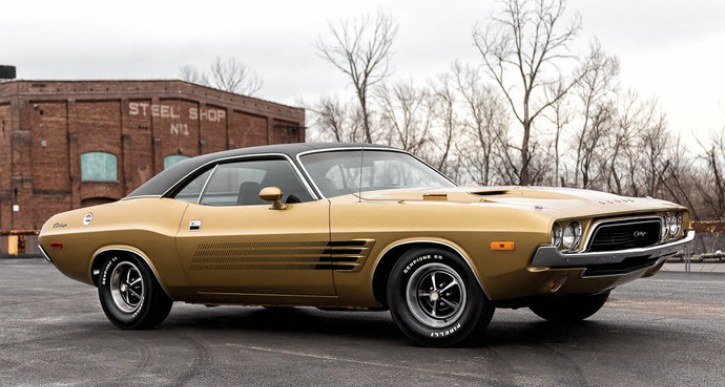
(273, 194)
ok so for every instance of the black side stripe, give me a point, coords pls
(334, 267)
(342, 251)
(339, 259)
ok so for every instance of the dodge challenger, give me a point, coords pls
(351, 226)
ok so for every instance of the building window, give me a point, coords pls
(98, 166)
(173, 159)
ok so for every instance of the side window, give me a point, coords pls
(98, 166)
(192, 190)
(334, 180)
(238, 184)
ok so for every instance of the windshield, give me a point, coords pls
(338, 172)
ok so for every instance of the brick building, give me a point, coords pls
(71, 144)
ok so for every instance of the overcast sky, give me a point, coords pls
(674, 50)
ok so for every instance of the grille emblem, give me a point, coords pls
(639, 234)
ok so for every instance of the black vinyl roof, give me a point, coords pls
(161, 183)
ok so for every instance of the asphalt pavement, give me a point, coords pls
(668, 330)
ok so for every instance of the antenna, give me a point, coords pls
(362, 151)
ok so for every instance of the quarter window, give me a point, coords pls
(192, 190)
(98, 166)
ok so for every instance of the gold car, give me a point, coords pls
(371, 227)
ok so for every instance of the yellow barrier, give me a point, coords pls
(19, 243)
(12, 245)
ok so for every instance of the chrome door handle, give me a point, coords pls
(195, 225)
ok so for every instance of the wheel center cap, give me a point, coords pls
(124, 287)
(434, 296)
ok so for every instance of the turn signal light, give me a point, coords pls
(56, 245)
(502, 245)
(556, 284)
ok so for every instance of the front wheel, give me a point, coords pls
(435, 299)
(130, 296)
(569, 308)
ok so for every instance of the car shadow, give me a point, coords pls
(306, 321)
(514, 328)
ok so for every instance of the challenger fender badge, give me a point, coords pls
(87, 219)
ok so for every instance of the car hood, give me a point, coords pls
(557, 202)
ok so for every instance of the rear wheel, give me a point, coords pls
(435, 299)
(569, 308)
(130, 296)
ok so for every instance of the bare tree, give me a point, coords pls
(234, 76)
(360, 48)
(713, 188)
(225, 74)
(336, 120)
(654, 143)
(487, 123)
(192, 74)
(597, 85)
(527, 42)
(444, 101)
(681, 179)
(592, 161)
(637, 147)
(561, 116)
(406, 114)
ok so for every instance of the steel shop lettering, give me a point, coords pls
(170, 111)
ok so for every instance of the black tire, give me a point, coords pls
(278, 308)
(569, 308)
(431, 314)
(141, 305)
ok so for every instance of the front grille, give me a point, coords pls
(626, 234)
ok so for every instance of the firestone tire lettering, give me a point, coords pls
(419, 260)
(429, 304)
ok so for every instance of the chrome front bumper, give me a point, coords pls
(550, 257)
(45, 255)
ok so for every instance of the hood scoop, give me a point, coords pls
(490, 193)
(436, 197)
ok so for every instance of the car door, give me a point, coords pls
(232, 242)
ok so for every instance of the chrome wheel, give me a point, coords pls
(127, 287)
(436, 295)
(131, 297)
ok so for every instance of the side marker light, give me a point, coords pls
(505, 246)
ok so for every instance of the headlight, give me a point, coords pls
(676, 224)
(572, 235)
(556, 235)
(666, 220)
